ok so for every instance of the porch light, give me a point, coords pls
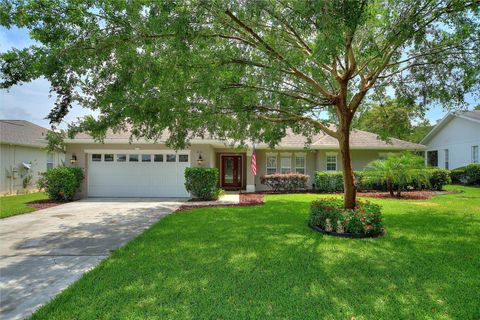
(200, 160)
(73, 160)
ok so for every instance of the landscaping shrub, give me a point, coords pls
(472, 172)
(62, 183)
(202, 183)
(329, 215)
(329, 181)
(285, 182)
(469, 174)
(398, 172)
(458, 175)
(439, 178)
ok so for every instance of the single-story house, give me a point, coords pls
(118, 168)
(23, 155)
(454, 141)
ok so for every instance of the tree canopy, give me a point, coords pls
(242, 69)
(392, 119)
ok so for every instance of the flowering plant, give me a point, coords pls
(364, 218)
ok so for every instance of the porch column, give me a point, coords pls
(250, 183)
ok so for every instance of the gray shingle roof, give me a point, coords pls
(358, 139)
(22, 132)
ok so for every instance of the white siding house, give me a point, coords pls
(23, 154)
(454, 142)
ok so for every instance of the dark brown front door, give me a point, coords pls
(231, 171)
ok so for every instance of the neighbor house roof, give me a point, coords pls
(467, 115)
(22, 132)
(358, 140)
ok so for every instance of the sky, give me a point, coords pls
(32, 101)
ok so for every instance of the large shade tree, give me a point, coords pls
(242, 69)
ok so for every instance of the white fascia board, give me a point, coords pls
(135, 151)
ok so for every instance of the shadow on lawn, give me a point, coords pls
(257, 262)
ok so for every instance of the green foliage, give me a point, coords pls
(328, 181)
(469, 174)
(329, 215)
(472, 172)
(62, 183)
(202, 183)
(285, 182)
(439, 178)
(234, 59)
(391, 119)
(55, 140)
(398, 170)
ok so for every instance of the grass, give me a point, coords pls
(264, 262)
(14, 205)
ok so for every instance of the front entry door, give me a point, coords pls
(232, 171)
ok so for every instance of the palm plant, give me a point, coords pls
(397, 170)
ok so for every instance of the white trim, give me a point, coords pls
(266, 162)
(250, 188)
(133, 151)
(300, 155)
(330, 154)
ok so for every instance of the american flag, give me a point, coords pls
(254, 161)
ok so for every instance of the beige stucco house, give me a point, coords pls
(118, 168)
(23, 154)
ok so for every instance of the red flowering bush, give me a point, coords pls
(329, 215)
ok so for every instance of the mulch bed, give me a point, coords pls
(246, 200)
(44, 204)
(405, 195)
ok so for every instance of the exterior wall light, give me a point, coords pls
(200, 160)
(74, 159)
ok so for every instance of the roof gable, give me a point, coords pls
(469, 115)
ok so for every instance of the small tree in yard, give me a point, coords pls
(242, 69)
(398, 170)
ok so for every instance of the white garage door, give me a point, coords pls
(127, 174)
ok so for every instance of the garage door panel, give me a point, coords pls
(136, 179)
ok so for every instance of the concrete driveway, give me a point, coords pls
(43, 252)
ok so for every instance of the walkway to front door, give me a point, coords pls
(231, 171)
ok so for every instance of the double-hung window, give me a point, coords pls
(286, 163)
(300, 164)
(271, 164)
(49, 161)
(331, 162)
(474, 154)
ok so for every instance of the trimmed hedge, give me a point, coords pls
(202, 183)
(329, 215)
(62, 183)
(285, 182)
(469, 174)
(333, 181)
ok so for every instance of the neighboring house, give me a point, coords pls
(23, 155)
(454, 142)
(118, 168)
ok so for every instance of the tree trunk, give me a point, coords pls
(350, 192)
(390, 188)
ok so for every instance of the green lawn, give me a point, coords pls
(264, 262)
(13, 205)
